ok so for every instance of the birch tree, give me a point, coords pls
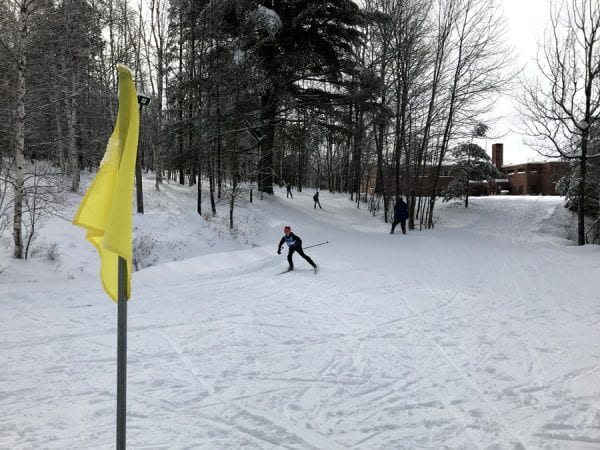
(16, 49)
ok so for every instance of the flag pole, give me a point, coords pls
(105, 212)
(122, 355)
(143, 100)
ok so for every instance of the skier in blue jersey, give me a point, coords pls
(295, 245)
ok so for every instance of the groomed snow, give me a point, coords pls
(481, 333)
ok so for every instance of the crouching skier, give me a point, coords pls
(295, 245)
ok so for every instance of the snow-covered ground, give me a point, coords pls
(482, 333)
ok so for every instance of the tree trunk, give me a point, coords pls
(582, 181)
(232, 204)
(20, 148)
(159, 41)
(20, 136)
(199, 199)
(219, 146)
(211, 186)
(265, 162)
(329, 162)
(234, 184)
(180, 102)
(72, 128)
(357, 153)
(467, 191)
(60, 144)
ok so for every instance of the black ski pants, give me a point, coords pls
(301, 253)
(402, 224)
(317, 202)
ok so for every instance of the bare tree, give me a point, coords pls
(476, 70)
(159, 31)
(417, 70)
(45, 192)
(23, 11)
(5, 198)
(561, 106)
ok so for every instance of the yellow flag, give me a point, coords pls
(106, 209)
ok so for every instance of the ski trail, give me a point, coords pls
(218, 423)
(190, 367)
(480, 334)
(310, 437)
(473, 385)
(476, 388)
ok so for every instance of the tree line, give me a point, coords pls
(365, 100)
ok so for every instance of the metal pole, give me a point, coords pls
(122, 355)
(143, 100)
(316, 245)
(139, 193)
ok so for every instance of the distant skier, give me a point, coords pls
(316, 199)
(288, 186)
(400, 215)
(295, 245)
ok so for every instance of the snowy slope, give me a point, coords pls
(481, 333)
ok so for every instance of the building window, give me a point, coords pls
(533, 189)
(521, 170)
(533, 171)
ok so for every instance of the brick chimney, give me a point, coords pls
(497, 155)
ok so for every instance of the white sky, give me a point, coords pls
(526, 20)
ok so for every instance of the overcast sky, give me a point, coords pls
(526, 20)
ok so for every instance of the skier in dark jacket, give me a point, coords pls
(400, 215)
(316, 199)
(288, 187)
(295, 245)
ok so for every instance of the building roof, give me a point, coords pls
(542, 163)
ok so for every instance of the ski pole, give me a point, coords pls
(316, 245)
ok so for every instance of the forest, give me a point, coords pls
(367, 99)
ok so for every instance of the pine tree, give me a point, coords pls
(294, 41)
(472, 163)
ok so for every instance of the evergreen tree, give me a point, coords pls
(301, 47)
(472, 163)
(568, 186)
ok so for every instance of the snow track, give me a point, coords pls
(483, 333)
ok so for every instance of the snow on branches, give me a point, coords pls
(269, 20)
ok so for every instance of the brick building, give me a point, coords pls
(520, 179)
(527, 178)
(423, 184)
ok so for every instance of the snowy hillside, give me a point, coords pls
(481, 333)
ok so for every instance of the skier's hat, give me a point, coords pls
(287, 227)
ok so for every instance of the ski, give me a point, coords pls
(286, 271)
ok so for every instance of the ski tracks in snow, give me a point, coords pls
(465, 337)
